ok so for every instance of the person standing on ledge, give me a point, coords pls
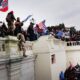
(18, 26)
(10, 22)
(30, 32)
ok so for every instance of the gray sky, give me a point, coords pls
(54, 11)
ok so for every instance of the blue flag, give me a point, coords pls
(26, 18)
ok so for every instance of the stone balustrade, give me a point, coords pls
(13, 66)
(73, 43)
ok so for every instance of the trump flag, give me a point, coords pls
(3, 5)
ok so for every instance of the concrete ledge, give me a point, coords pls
(10, 61)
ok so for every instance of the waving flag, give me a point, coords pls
(3, 5)
(26, 18)
(43, 26)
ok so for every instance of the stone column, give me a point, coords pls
(14, 58)
(11, 47)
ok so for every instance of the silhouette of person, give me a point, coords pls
(30, 32)
(10, 22)
(18, 26)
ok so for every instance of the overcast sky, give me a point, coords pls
(54, 11)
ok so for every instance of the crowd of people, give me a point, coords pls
(64, 33)
(33, 33)
(14, 27)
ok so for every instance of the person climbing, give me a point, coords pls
(21, 43)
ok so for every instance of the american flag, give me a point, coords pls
(43, 26)
(3, 5)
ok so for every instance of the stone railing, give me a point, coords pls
(73, 43)
(13, 66)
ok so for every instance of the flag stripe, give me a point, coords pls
(4, 9)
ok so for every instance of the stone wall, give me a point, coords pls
(13, 66)
(18, 69)
(27, 69)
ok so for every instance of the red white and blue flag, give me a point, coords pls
(43, 26)
(3, 5)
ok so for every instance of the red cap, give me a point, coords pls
(12, 12)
